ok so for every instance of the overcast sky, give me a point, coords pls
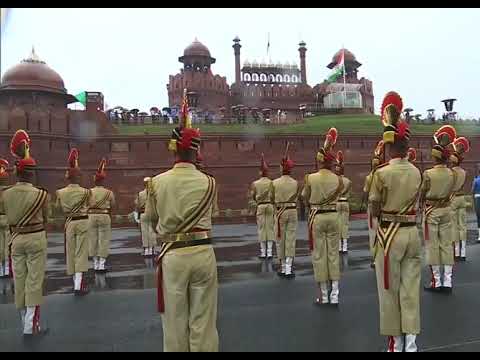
(424, 54)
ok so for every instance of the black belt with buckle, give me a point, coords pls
(81, 217)
(189, 243)
(385, 224)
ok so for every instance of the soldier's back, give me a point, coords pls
(285, 188)
(101, 197)
(262, 188)
(461, 175)
(71, 195)
(179, 192)
(18, 199)
(441, 182)
(400, 181)
(322, 184)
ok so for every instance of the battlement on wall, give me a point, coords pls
(232, 159)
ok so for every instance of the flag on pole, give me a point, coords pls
(268, 44)
(338, 70)
(82, 98)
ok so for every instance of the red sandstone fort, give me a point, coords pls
(266, 87)
(33, 97)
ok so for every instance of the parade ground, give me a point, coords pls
(257, 310)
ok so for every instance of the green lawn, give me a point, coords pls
(346, 124)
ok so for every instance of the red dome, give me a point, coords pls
(348, 56)
(32, 74)
(196, 48)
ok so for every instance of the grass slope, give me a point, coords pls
(346, 124)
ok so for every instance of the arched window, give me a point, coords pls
(286, 78)
(271, 78)
(279, 78)
(255, 77)
(263, 77)
(294, 78)
(247, 77)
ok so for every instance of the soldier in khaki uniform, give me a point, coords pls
(461, 146)
(261, 191)
(438, 188)
(99, 217)
(26, 209)
(393, 197)
(285, 196)
(320, 193)
(75, 201)
(4, 230)
(377, 162)
(149, 237)
(180, 203)
(343, 205)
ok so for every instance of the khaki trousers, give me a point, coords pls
(149, 237)
(29, 256)
(459, 219)
(400, 304)
(288, 222)
(439, 246)
(100, 234)
(372, 231)
(265, 222)
(325, 257)
(343, 209)
(190, 290)
(4, 242)
(77, 246)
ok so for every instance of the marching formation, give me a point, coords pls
(175, 212)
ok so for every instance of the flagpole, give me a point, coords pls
(268, 49)
(344, 79)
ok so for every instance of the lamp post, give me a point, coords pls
(431, 115)
(449, 107)
(407, 112)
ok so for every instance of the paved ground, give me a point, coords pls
(257, 310)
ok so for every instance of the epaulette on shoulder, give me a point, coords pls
(381, 166)
(41, 188)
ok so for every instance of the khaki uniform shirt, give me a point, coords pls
(98, 193)
(347, 188)
(70, 196)
(285, 190)
(320, 186)
(141, 200)
(18, 200)
(461, 176)
(395, 186)
(262, 190)
(176, 193)
(438, 182)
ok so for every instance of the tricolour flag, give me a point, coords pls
(338, 70)
(82, 98)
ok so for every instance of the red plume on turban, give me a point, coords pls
(3, 168)
(412, 155)
(100, 175)
(74, 169)
(20, 148)
(263, 166)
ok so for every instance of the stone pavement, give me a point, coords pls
(257, 310)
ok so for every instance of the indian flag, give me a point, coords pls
(82, 98)
(338, 70)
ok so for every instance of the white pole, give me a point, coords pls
(344, 79)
